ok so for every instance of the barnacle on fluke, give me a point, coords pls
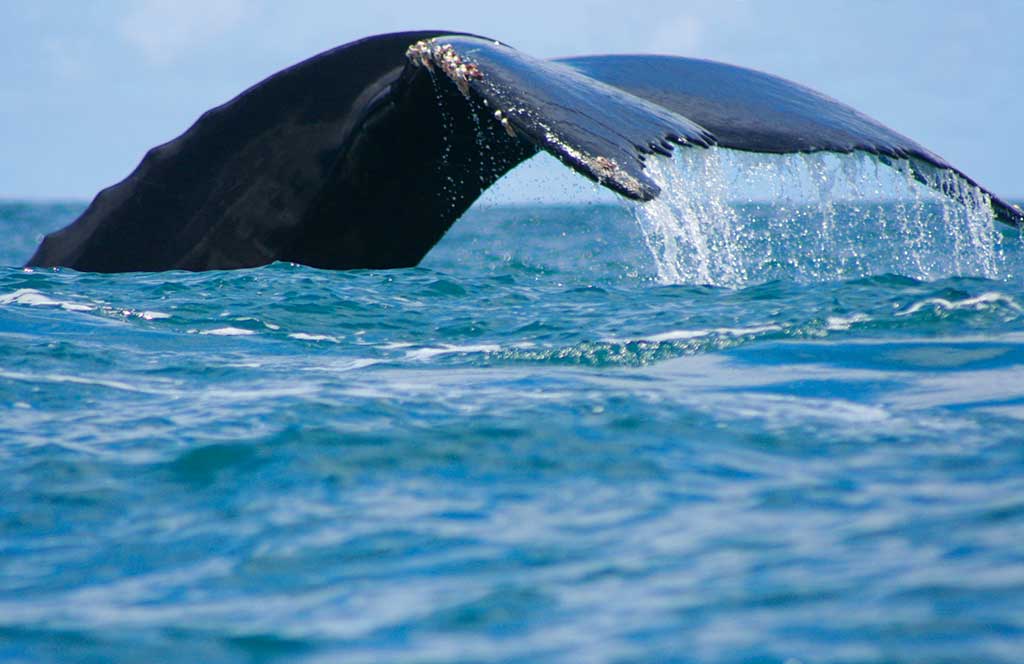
(364, 156)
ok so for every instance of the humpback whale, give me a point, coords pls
(364, 156)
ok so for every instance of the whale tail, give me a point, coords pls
(364, 156)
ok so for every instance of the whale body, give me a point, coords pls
(364, 156)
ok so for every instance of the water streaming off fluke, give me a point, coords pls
(830, 217)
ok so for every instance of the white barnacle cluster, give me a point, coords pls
(428, 53)
(603, 168)
(503, 121)
(419, 54)
(608, 169)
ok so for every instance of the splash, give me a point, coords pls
(828, 217)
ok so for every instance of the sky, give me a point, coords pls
(87, 87)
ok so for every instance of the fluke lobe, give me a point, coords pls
(364, 156)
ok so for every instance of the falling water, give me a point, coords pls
(829, 217)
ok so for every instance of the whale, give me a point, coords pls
(365, 155)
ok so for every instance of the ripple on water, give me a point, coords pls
(523, 450)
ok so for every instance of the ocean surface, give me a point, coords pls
(575, 433)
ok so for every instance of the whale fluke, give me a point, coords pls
(757, 112)
(364, 156)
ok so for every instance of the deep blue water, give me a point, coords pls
(527, 449)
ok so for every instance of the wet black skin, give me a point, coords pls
(361, 158)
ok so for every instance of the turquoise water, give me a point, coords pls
(533, 447)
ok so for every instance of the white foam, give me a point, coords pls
(983, 301)
(152, 315)
(393, 345)
(447, 349)
(228, 332)
(303, 336)
(344, 364)
(842, 323)
(33, 298)
(682, 335)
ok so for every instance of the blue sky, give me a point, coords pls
(87, 87)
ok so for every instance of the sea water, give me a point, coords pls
(575, 433)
